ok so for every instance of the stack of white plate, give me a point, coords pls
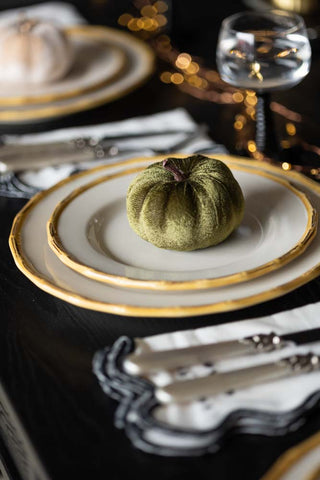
(74, 241)
(109, 63)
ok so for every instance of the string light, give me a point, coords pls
(177, 78)
(149, 21)
(162, 7)
(149, 11)
(165, 77)
(238, 125)
(237, 97)
(183, 61)
(285, 144)
(286, 166)
(291, 129)
(258, 156)
(124, 19)
(252, 146)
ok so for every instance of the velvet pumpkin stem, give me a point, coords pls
(178, 174)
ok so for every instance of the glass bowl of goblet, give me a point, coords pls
(264, 52)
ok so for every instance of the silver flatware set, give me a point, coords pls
(148, 363)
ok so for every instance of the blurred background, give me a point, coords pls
(183, 34)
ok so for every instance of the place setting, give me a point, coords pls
(92, 247)
(85, 66)
(249, 271)
(172, 407)
(148, 219)
(186, 393)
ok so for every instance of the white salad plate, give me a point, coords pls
(95, 91)
(90, 233)
(96, 63)
(34, 257)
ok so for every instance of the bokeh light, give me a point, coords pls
(186, 72)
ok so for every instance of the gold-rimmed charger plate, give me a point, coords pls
(37, 261)
(33, 256)
(139, 65)
(300, 462)
(90, 233)
(97, 62)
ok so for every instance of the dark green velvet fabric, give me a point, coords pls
(197, 212)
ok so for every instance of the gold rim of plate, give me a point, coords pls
(33, 99)
(72, 262)
(80, 104)
(28, 269)
(291, 457)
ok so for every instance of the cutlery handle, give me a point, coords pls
(188, 390)
(21, 162)
(14, 158)
(142, 364)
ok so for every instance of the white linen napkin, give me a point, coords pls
(161, 132)
(277, 396)
(193, 427)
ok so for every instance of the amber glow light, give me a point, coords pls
(161, 20)
(189, 75)
(286, 166)
(238, 97)
(148, 11)
(252, 146)
(192, 68)
(162, 7)
(291, 129)
(285, 144)
(177, 78)
(251, 100)
(183, 61)
(165, 77)
(124, 19)
(238, 125)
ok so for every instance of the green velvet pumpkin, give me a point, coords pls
(185, 203)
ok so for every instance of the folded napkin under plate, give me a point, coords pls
(199, 427)
(158, 132)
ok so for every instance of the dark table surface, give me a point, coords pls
(47, 344)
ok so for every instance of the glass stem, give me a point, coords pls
(266, 138)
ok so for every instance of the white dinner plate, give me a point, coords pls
(96, 63)
(32, 254)
(301, 462)
(139, 65)
(89, 232)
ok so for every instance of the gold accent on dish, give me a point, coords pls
(33, 99)
(291, 456)
(315, 475)
(82, 103)
(42, 281)
(71, 261)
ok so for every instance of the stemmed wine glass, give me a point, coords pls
(264, 51)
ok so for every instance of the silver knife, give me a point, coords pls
(189, 390)
(15, 158)
(146, 363)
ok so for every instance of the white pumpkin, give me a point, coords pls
(33, 52)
